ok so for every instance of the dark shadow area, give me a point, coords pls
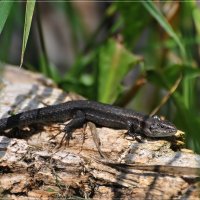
(60, 98)
(189, 191)
(34, 101)
(20, 99)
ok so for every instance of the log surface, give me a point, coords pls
(36, 166)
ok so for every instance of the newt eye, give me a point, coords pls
(156, 117)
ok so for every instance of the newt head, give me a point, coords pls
(155, 127)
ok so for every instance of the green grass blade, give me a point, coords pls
(115, 62)
(165, 25)
(5, 7)
(30, 5)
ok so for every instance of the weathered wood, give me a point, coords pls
(36, 167)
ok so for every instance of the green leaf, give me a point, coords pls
(30, 5)
(5, 7)
(114, 63)
(149, 5)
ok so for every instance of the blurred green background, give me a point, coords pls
(143, 55)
